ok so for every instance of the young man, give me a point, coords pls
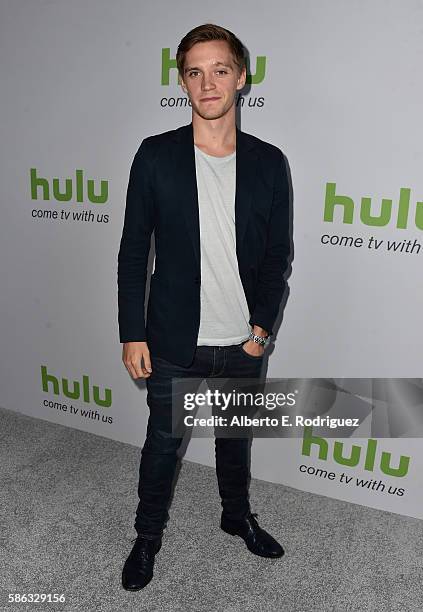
(217, 200)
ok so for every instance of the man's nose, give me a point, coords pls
(207, 82)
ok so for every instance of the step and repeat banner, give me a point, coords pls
(336, 86)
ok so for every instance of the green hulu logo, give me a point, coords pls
(51, 384)
(368, 215)
(169, 63)
(355, 454)
(71, 190)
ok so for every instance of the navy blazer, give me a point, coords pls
(162, 196)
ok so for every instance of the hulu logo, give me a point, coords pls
(51, 384)
(369, 455)
(71, 189)
(369, 214)
(169, 63)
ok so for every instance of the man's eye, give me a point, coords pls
(193, 72)
(224, 71)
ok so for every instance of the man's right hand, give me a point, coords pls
(132, 355)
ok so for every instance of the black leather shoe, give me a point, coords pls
(138, 569)
(258, 541)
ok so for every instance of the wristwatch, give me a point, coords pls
(258, 339)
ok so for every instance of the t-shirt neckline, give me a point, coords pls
(215, 158)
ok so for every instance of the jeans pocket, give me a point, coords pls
(244, 352)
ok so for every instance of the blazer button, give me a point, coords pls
(197, 280)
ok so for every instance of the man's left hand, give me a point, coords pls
(252, 348)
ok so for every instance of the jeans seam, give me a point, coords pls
(214, 361)
(222, 369)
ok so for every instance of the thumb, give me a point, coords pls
(147, 361)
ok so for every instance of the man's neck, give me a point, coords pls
(215, 136)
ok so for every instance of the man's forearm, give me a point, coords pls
(134, 250)
(259, 331)
(271, 282)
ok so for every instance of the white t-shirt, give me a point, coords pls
(224, 310)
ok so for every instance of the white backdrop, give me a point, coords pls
(82, 85)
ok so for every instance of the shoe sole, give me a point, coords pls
(137, 588)
(233, 533)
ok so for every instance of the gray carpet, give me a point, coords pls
(67, 509)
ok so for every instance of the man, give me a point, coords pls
(217, 200)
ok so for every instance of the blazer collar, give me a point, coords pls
(246, 168)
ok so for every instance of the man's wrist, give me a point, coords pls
(258, 339)
(259, 331)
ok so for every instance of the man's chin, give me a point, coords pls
(211, 115)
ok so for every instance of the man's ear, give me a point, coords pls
(242, 78)
(182, 84)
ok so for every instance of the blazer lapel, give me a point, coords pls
(184, 164)
(246, 168)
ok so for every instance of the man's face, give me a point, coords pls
(211, 78)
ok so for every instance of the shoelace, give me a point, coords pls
(256, 527)
(143, 553)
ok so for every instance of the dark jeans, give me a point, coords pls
(159, 453)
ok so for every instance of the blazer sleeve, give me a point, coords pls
(135, 247)
(271, 281)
